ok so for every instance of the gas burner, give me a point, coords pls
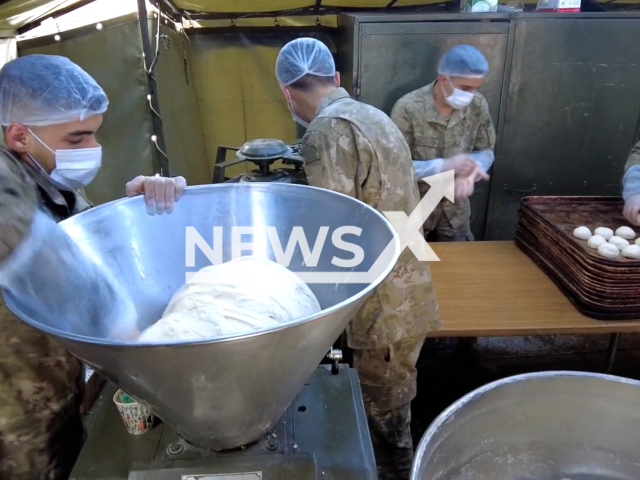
(263, 153)
(278, 175)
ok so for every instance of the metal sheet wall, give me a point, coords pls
(571, 113)
(113, 56)
(562, 91)
(398, 54)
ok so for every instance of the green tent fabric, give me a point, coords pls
(17, 13)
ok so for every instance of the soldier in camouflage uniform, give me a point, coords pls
(631, 186)
(355, 149)
(50, 110)
(448, 127)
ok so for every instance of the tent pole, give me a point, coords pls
(161, 162)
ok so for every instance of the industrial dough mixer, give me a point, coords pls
(253, 406)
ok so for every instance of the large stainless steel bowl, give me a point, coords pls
(224, 393)
(541, 426)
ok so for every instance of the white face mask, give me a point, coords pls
(296, 118)
(75, 168)
(459, 98)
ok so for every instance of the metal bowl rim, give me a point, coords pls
(477, 393)
(226, 338)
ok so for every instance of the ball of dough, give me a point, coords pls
(608, 250)
(236, 297)
(632, 251)
(596, 241)
(626, 233)
(605, 232)
(582, 232)
(638, 241)
(619, 242)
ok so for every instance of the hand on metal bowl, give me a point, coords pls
(160, 193)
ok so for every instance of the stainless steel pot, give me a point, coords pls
(541, 426)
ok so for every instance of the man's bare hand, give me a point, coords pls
(465, 185)
(160, 193)
(462, 165)
(632, 210)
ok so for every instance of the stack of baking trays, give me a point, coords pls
(601, 288)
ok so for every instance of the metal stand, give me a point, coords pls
(613, 350)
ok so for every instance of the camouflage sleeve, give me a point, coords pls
(486, 136)
(18, 200)
(403, 121)
(331, 163)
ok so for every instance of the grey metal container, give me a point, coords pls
(541, 426)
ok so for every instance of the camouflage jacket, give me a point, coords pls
(430, 136)
(355, 149)
(41, 384)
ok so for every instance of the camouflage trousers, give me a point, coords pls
(27, 453)
(445, 232)
(388, 378)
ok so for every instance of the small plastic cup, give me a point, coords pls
(137, 418)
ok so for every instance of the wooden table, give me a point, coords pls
(494, 289)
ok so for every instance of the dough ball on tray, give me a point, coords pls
(583, 233)
(626, 232)
(605, 232)
(632, 251)
(608, 250)
(619, 242)
(596, 241)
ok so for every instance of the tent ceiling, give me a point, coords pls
(257, 6)
(17, 13)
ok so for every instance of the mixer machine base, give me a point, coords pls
(323, 435)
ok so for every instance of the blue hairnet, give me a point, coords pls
(463, 61)
(304, 56)
(39, 90)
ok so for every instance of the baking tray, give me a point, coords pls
(599, 287)
(591, 268)
(585, 310)
(590, 292)
(564, 214)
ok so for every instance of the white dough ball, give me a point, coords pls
(240, 296)
(596, 241)
(582, 232)
(632, 251)
(626, 233)
(605, 232)
(619, 242)
(608, 250)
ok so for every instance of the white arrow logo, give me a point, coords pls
(408, 227)
(406, 235)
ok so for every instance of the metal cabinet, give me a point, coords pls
(572, 110)
(383, 57)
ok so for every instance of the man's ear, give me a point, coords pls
(337, 78)
(16, 138)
